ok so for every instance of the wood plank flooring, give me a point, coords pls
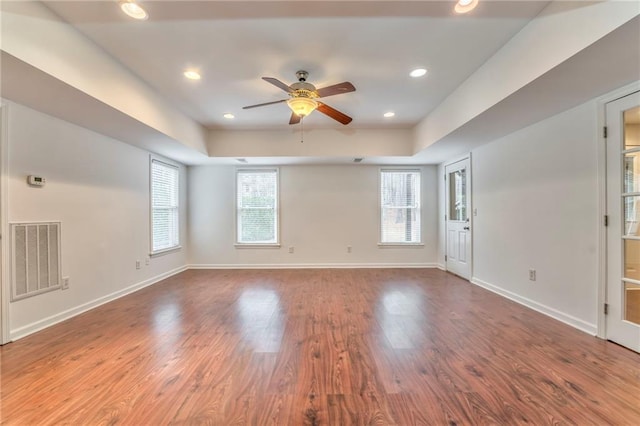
(316, 347)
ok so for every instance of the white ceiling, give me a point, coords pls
(372, 44)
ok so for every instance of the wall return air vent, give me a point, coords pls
(35, 258)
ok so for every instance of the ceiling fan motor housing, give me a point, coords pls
(303, 91)
(302, 88)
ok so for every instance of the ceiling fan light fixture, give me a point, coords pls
(302, 106)
(464, 6)
(134, 10)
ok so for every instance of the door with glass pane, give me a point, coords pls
(458, 224)
(4, 299)
(623, 232)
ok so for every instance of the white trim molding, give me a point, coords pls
(457, 160)
(4, 224)
(153, 158)
(602, 199)
(70, 313)
(401, 169)
(251, 244)
(316, 266)
(539, 307)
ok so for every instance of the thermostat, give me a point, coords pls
(35, 180)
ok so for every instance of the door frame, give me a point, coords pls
(470, 208)
(4, 223)
(602, 199)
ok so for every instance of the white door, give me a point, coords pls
(457, 220)
(623, 211)
(4, 300)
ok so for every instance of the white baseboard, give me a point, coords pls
(69, 313)
(581, 325)
(65, 315)
(441, 267)
(314, 266)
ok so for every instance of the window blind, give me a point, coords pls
(257, 206)
(165, 223)
(400, 206)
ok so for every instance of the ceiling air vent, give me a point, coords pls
(358, 160)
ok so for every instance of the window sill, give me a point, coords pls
(400, 245)
(256, 246)
(164, 251)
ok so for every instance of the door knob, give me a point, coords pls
(466, 228)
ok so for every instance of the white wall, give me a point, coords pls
(536, 194)
(328, 143)
(323, 210)
(99, 189)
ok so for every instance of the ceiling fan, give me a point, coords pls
(303, 95)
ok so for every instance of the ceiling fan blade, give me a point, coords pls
(264, 104)
(334, 113)
(278, 83)
(295, 118)
(336, 89)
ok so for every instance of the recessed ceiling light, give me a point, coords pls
(389, 114)
(464, 6)
(133, 9)
(192, 75)
(418, 72)
(229, 116)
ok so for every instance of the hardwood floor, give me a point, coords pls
(316, 347)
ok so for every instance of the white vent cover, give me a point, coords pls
(35, 258)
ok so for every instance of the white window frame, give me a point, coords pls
(177, 246)
(238, 243)
(420, 242)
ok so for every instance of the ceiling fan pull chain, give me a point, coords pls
(302, 130)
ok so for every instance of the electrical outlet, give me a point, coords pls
(348, 249)
(291, 249)
(147, 260)
(65, 283)
(475, 212)
(137, 264)
(532, 274)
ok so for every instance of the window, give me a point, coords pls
(165, 222)
(257, 206)
(400, 207)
